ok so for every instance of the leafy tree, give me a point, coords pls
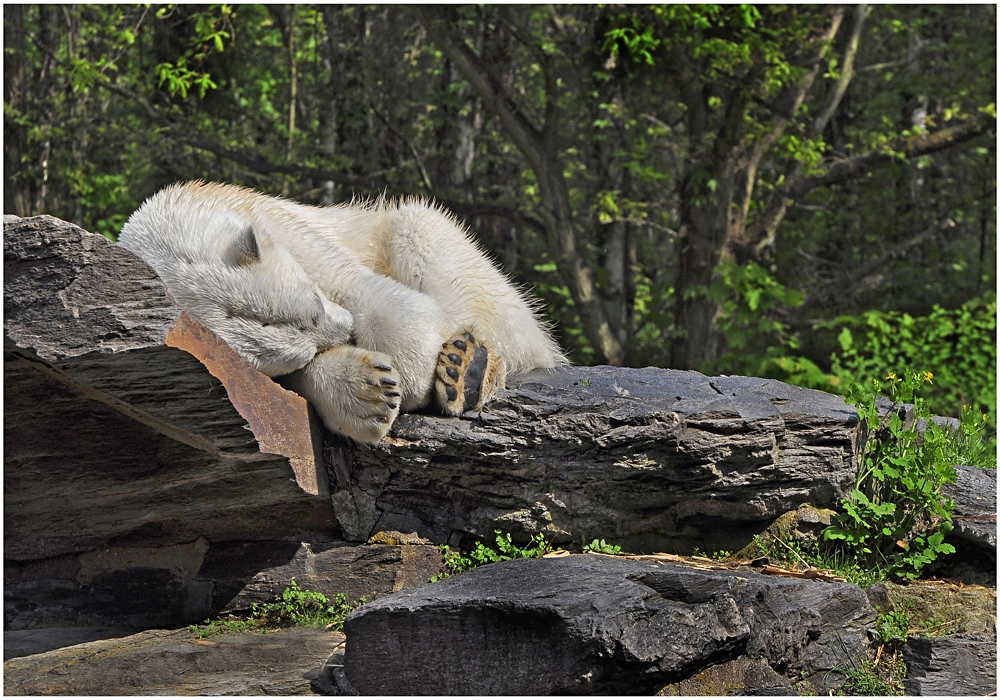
(687, 186)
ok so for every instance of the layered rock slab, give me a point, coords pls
(174, 662)
(950, 666)
(658, 460)
(596, 624)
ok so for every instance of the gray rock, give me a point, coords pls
(655, 460)
(38, 641)
(975, 497)
(880, 597)
(950, 666)
(743, 676)
(174, 662)
(596, 624)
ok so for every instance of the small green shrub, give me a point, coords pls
(602, 547)
(959, 344)
(866, 681)
(899, 481)
(456, 562)
(893, 626)
(301, 607)
(296, 606)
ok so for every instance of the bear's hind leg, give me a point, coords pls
(355, 391)
(469, 372)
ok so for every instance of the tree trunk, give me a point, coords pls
(715, 203)
(539, 148)
(704, 234)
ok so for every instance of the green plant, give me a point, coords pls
(879, 676)
(296, 606)
(893, 626)
(867, 681)
(602, 547)
(899, 481)
(840, 561)
(456, 562)
(720, 555)
(959, 344)
(301, 607)
(970, 444)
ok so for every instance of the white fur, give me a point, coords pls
(400, 279)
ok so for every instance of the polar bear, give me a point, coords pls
(365, 310)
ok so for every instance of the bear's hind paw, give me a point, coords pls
(468, 375)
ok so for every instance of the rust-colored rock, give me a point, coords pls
(279, 418)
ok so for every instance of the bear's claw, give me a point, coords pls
(468, 375)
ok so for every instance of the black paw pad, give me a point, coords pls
(474, 375)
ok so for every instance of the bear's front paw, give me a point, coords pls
(355, 391)
(468, 374)
(376, 396)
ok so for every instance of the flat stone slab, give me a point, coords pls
(975, 496)
(174, 662)
(655, 460)
(950, 666)
(38, 641)
(590, 624)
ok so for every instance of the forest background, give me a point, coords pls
(799, 192)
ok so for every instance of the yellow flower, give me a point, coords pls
(891, 375)
(928, 377)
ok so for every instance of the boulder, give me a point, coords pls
(175, 662)
(950, 666)
(597, 624)
(652, 459)
(975, 496)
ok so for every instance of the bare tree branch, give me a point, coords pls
(846, 72)
(908, 146)
(849, 285)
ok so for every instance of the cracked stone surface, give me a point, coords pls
(595, 624)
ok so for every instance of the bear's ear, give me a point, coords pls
(246, 250)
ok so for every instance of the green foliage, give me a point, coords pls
(748, 295)
(187, 71)
(970, 444)
(302, 607)
(959, 344)
(893, 626)
(899, 481)
(296, 606)
(840, 561)
(602, 547)
(456, 562)
(865, 680)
